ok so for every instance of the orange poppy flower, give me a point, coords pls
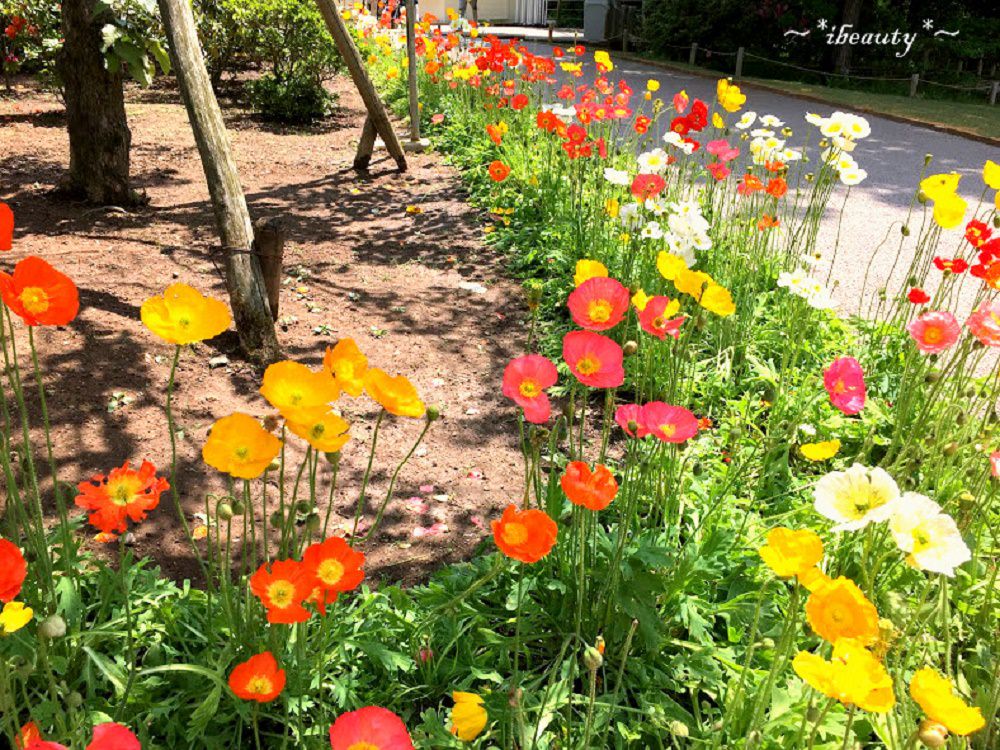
(525, 535)
(6, 228)
(347, 365)
(258, 679)
(336, 568)
(39, 294)
(291, 388)
(121, 495)
(395, 394)
(239, 446)
(777, 187)
(499, 171)
(13, 570)
(593, 490)
(324, 430)
(282, 589)
(183, 315)
(767, 222)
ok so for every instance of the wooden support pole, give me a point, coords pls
(269, 247)
(247, 295)
(411, 69)
(373, 103)
(914, 84)
(365, 146)
(693, 57)
(740, 52)
(994, 91)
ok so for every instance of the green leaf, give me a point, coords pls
(162, 58)
(202, 715)
(107, 668)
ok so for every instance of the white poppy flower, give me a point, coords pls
(856, 497)
(930, 537)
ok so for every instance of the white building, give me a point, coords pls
(529, 12)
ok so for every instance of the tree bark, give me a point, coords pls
(851, 15)
(99, 137)
(247, 295)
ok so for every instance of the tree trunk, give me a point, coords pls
(851, 16)
(247, 295)
(99, 137)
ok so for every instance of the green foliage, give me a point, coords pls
(296, 99)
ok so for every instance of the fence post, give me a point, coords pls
(914, 82)
(739, 63)
(994, 91)
(694, 53)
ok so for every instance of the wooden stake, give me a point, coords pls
(376, 109)
(247, 295)
(269, 246)
(365, 146)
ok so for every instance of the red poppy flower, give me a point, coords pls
(39, 294)
(525, 380)
(282, 589)
(520, 101)
(641, 124)
(593, 490)
(629, 418)
(671, 424)
(954, 265)
(976, 232)
(594, 360)
(776, 187)
(6, 227)
(122, 495)
(718, 170)
(13, 570)
(698, 116)
(499, 171)
(30, 738)
(918, 296)
(844, 381)
(258, 679)
(495, 132)
(336, 567)
(370, 728)
(111, 736)
(599, 303)
(680, 125)
(654, 318)
(525, 535)
(646, 186)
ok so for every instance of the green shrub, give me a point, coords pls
(299, 99)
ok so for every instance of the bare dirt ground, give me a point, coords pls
(417, 290)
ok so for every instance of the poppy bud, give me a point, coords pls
(927, 159)
(904, 230)
(313, 523)
(912, 281)
(630, 348)
(679, 729)
(433, 413)
(932, 377)
(632, 425)
(273, 466)
(592, 659)
(52, 627)
(333, 459)
(303, 506)
(921, 197)
(960, 418)
(239, 508)
(996, 222)
(271, 422)
(767, 643)
(600, 645)
(950, 450)
(824, 143)
(810, 177)
(932, 734)
(74, 700)
(970, 392)
(696, 469)
(812, 714)
(277, 518)
(224, 511)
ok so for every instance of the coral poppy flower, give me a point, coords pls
(918, 296)
(239, 446)
(6, 227)
(396, 395)
(347, 365)
(934, 331)
(525, 380)
(776, 187)
(594, 360)
(122, 495)
(844, 380)
(499, 171)
(39, 294)
(655, 317)
(111, 736)
(519, 102)
(370, 728)
(335, 567)
(468, 716)
(629, 418)
(599, 303)
(593, 490)
(671, 424)
(646, 186)
(258, 679)
(183, 315)
(525, 535)
(282, 589)
(291, 387)
(13, 570)
(984, 323)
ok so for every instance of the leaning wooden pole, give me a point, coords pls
(247, 295)
(377, 114)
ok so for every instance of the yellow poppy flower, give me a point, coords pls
(395, 394)
(588, 269)
(991, 174)
(730, 97)
(640, 299)
(938, 186)
(717, 299)
(15, 615)
(183, 315)
(692, 282)
(347, 365)
(652, 85)
(468, 716)
(853, 676)
(934, 695)
(291, 387)
(669, 265)
(717, 121)
(820, 451)
(612, 207)
(240, 447)
(322, 429)
(839, 609)
(949, 211)
(791, 552)
(603, 59)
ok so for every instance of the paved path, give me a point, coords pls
(893, 156)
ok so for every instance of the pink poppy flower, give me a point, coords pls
(844, 380)
(995, 464)
(652, 319)
(370, 727)
(671, 424)
(594, 360)
(681, 100)
(525, 380)
(722, 149)
(984, 323)
(599, 303)
(111, 736)
(934, 331)
(718, 170)
(628, 416)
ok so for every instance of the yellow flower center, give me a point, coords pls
(921, 539)
(317, 430)
(840, 386)
(260, 685)
(281, 593)
(35, 300)
(242, 452)
(122, 491)
(588, 365)
(330, 572)
(515, 534)
(933, 335)
(668, 429)
(529, 389)
(599, 310)
(659, 322)
(363, 746)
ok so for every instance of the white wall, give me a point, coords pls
(489, 10)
